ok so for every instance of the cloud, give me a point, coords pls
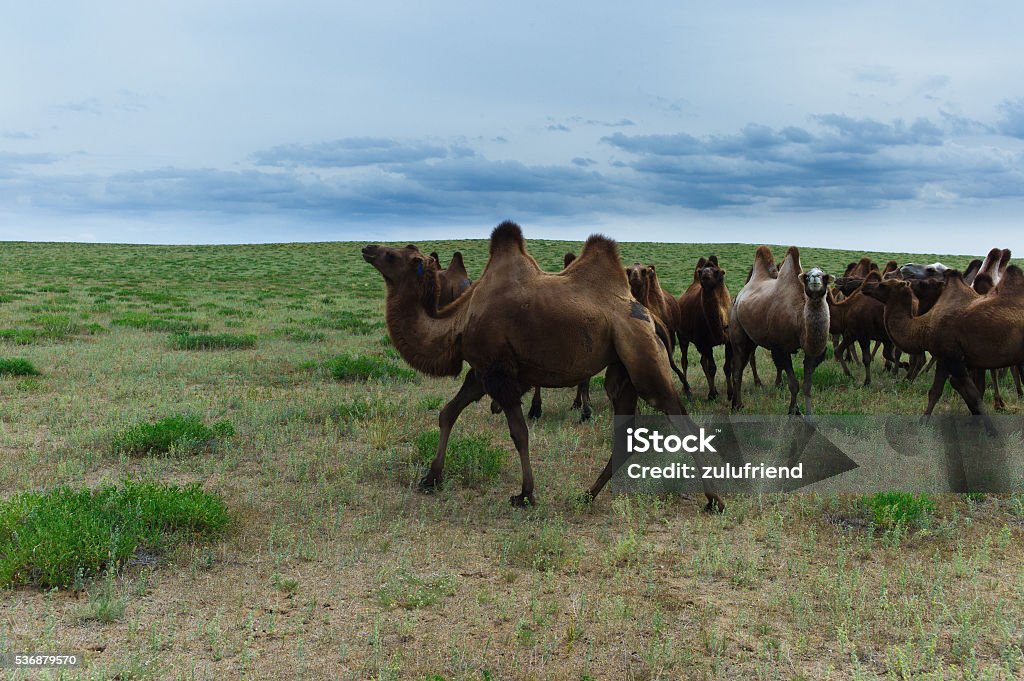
(883, 75)
(1011, 122)
(842, 162)
(558, 127)
(90, 105)
(350, 153)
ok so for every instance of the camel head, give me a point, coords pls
(815, 282)
(915, 271)
(883, 290)
(639, 276)
(711, 276)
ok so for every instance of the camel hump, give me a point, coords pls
(713, 259)
(600, 245)
(1012, 281)
(764, 263)
(1004, 260)
(568, 259)
(507, 234)
(457, 266)
(791, 263)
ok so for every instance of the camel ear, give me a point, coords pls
(829, 279)
(803, 277)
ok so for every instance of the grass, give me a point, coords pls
(471, 458)
(348, 367)
(54, 538)
(17, 367)
(186, 434)
(213, 341)
(336, 567)
(889, 509)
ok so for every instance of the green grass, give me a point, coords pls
(348, 367)
(889, 509)
(59, 537)
(471, 458)
(215, 341)
(150, 322)
(17, 367)
(184, 434)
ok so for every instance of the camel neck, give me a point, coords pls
(423, 337)
(816, 326)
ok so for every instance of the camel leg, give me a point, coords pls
(1016, 381)
(583, 396)
(535, 404)
(784, 361)
(960, 377)
(997, 398)
(521, 439)
(841, 355)
(753, 369)
(727, 369)
(778, 374)
(743, 349)
(935, 392)
(707, 362)
(810, 363)
(866, 355)
(684, 347)
(472, 390)
(622, 395)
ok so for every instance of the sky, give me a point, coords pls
(868, 125)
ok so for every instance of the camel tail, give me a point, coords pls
(507, 235)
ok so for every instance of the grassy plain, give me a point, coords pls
(335, 567)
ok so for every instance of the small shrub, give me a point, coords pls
(472, 458)
(891, 509)
(301, 335)
(345, 321)
(185, 433)
(217, 341)
(17, 367)
(59, 537)
(545, 546)
(362, 367)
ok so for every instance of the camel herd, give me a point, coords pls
(520, 328)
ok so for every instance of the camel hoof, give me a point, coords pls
(714, 505)
(576, 405)
(712, 397)
(429, 483)
(534, 412)
(495, 407)
(522, 500)
(585, 415)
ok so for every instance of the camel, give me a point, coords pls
(859, 319)
(704, 321)
(916, 271)
(985, 279)
(964, 330)
(515, 330)
(783, 314)
(773, 272)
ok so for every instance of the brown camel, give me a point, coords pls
(703, 320)
(859, 319)
(773, 272)
(515, 330)
(988, 275)
(964, 330)
(783, 314)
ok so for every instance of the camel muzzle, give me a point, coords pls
(370, 252)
